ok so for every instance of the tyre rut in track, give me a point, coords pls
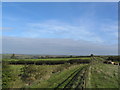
(78, 79)
(76, 71)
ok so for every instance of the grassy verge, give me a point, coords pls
(103, 76)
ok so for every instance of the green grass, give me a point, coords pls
(103, 76)
(50, 59)
(57, 78)
(18, 83)
(100, 75)
(47, 79)
(45, 72)
(15, 72)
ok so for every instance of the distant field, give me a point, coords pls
(50, 59)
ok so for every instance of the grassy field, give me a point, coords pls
(49, 76)
(49, 59)
(103, 75)
(93, 75)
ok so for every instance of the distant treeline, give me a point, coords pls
(114, 58)
(15, 56)
(22, 62)
(47, 57)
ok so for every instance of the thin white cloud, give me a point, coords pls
(57, 29)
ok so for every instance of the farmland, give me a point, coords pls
(61, 75)
(51, 59)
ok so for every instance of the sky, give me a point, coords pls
(60, 28)
(60, 0)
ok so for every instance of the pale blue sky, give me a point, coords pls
(90, 22)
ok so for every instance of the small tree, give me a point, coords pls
(91, 55)
(13, 56)
(71, 56)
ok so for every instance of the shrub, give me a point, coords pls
(7, 76)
